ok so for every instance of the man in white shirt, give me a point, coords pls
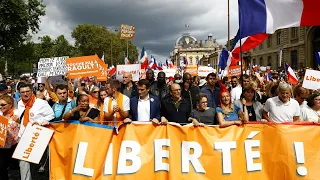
(282, 108)
(116, 105)
(31, 111)
(236, 90)
(146, 107)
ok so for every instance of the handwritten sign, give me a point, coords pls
(103, 68)
(3, 130)
(33, 143)
(83, 66)
(52, 66)
(311, 79)
(127, 31)
(133, 69)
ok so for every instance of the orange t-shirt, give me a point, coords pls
(93, 102)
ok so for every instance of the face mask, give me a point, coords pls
(177, 81)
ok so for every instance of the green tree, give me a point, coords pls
(93, 39)
(17, 19)
(62, 47)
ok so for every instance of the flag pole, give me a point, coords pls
(240, 34)
(127, 49)
(229, 25)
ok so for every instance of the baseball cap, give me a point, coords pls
(3, 87)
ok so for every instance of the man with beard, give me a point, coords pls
(188, 90)
(212, 90)
(150, 76)
(159, 88)
(128, 87)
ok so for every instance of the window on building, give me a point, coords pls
(261, 46)
(254, 62)
(261, 61)
(294, 33)
(269, 41)
(278, 38)
(269, 61)
(190, 60)
(294, 59)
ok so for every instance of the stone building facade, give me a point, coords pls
(187, 46)
(296, 46)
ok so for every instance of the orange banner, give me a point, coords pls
(192, 69)
(234, 71)
(84, 66)
(103, 71)
(3, 130)
(145, 151)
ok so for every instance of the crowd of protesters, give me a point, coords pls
(181, 99)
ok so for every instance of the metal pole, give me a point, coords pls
(229, 25)
(111, 52)
(127, 49)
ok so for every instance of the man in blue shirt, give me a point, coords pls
(64, 104)
(212, 90)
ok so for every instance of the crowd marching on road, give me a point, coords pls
(180, 99)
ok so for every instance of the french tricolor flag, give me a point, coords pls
(268, 77)
(144, 61)
(266, 16)
(292, 78)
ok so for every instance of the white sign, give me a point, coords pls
(133, 69)
(52, 66)
(311, 80)
(168, 72)
(203, 71)
(33, 143)
(52, 80)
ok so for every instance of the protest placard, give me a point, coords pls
(83, 66)
(3, 130)
(192, 69)
(168, 72)
(52, 66)
(311, 79)
(203, 71)
(127, 31)
(33, 143)
(133, 69)
(103, 71)
(52, 80)
(234, 71)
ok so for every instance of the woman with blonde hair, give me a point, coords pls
(7, 110)
(229, 114)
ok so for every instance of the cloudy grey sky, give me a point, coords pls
(159, 23)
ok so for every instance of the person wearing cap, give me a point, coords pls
(160, 89)
(3, 89)
(253, 106)
(212, 90)
(202, 82)
(282, 108)
(228, 113)
(177, 78)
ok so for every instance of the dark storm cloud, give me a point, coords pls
(158, 23)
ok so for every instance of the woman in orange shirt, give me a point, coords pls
(93, 97)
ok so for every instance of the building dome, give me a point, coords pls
(186, 38)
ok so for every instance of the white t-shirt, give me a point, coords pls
(279, 112)
(310, 115)
(125, 104)
(236, 93)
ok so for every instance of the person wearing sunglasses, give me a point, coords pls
(42, 90)
(93, 97)
(7, 110)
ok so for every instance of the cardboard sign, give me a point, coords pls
(52, 80)
(311, 79)
(52, 66)
(127, 31)
(203, 71)
(83, 66)
(133, 69)
(33, 143)
(3, 130)
(193, 70)
(234, 71)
